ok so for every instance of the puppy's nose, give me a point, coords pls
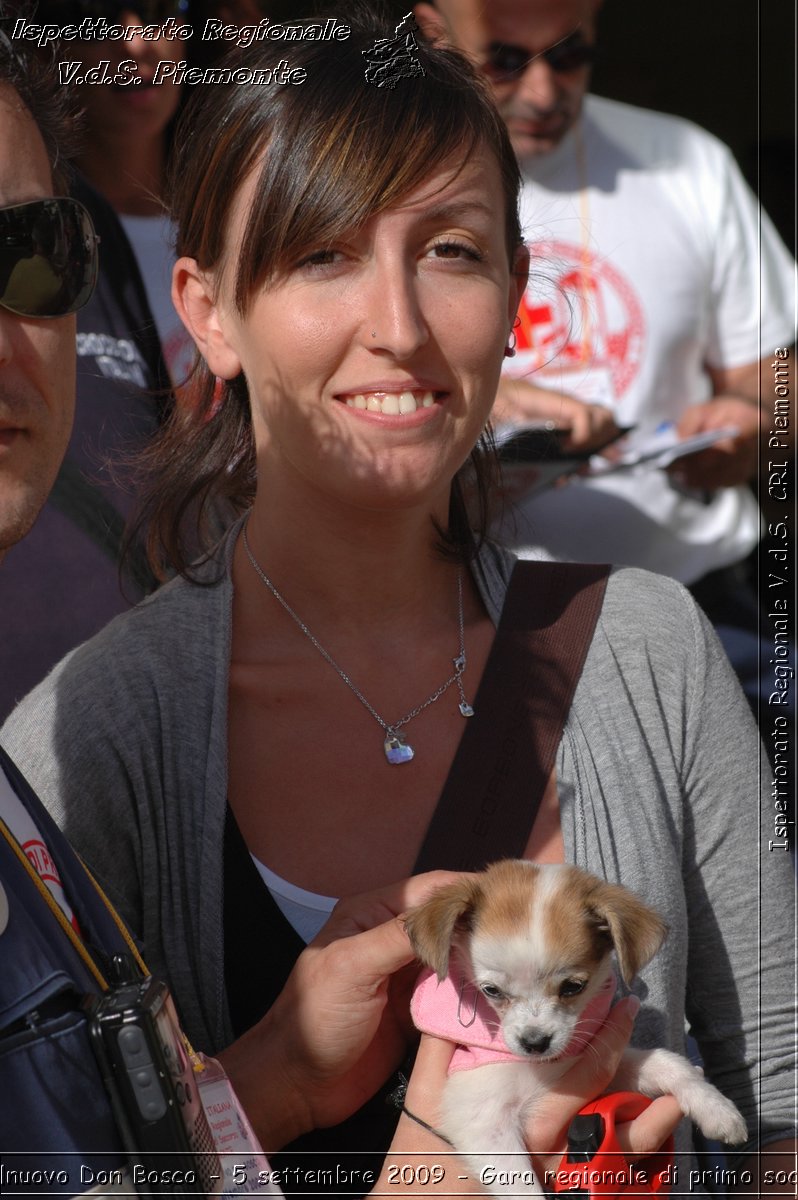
(535, 1042)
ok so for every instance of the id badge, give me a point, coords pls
(245, 1167)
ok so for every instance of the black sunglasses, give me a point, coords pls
(48, 257)
(506, 62)
(151, 12)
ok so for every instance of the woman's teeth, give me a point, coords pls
(392, 404)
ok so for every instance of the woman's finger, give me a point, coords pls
(648, 1132)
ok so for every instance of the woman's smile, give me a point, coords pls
(390, 403)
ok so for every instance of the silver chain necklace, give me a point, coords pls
(396, 747)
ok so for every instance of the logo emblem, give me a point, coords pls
(579, 314)
(392, 59)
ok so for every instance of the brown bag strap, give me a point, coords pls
(506, 755)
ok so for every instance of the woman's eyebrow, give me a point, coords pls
(452, 209)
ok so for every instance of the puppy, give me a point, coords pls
(521, 977)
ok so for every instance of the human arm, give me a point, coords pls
(738, 400)
(589, 425)
(749, 312)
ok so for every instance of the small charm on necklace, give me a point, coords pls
(465, 709)
(396, 749)
(459, 664)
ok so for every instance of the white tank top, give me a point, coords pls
(305, 911)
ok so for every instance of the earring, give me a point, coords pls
(509, 349)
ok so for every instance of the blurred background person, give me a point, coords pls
(128, 128)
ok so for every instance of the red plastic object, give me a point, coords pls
(594, 1164)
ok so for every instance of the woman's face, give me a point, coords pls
(373, 363)
(138, 94)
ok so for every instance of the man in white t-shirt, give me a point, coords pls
(655, 297)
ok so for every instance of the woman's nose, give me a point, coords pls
(395, 318)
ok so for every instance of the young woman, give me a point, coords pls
(236, 753)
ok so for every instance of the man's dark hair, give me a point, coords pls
(32, 74)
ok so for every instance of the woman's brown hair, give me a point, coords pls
(330, 152)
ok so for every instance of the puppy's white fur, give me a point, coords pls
(538, 942)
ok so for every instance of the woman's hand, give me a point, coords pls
(414, 1146)
(728, 463)
(340, 1025)
(589, 425)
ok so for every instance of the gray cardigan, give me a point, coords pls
(658, 776)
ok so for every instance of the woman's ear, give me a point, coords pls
(193, 297)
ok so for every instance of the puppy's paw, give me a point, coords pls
(714, 1115)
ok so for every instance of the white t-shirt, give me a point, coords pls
(646, 264)
(152, 239)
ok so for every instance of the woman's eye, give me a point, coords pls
(572, 987)
(491, 991)
(320, 258)
(451, 248)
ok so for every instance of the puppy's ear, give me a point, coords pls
(636, 931)
(432, 925)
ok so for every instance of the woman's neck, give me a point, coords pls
(383, 567)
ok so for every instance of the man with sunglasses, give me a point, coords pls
(642, 310)
(48, 268)
(52, 1098)
(73, 550)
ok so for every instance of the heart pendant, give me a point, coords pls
(466, 710)
(396, 749)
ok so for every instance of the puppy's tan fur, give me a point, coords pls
(584, 919)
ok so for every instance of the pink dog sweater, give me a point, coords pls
(445, 1009)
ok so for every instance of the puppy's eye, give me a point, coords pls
(491, 991)
(572, 987)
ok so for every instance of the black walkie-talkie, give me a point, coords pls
(152, 1085)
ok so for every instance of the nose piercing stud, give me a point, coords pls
(374, 333)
